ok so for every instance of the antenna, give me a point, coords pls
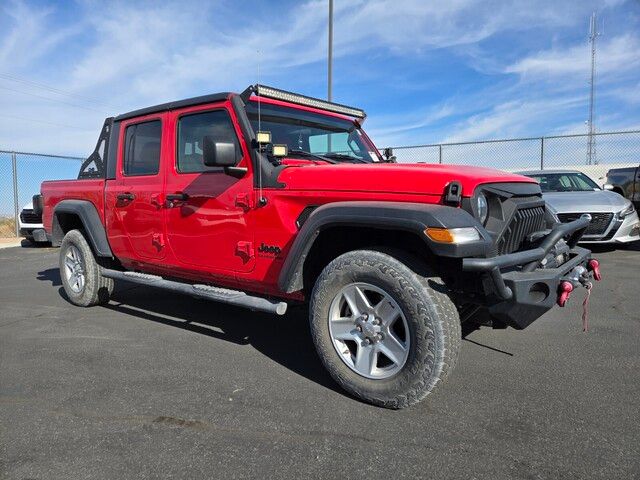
(591, 142)
(261, 200)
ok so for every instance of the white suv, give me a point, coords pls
(30, 224)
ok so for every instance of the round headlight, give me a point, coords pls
(482, 208)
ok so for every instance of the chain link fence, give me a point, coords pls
(20, 177)
(613, 149)
(21, 173)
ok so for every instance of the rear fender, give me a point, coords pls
(69, 214)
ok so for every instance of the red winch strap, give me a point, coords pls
(585, 308)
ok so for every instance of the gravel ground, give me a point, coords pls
(156, 385)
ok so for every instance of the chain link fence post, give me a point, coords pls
(541, 153)
(16, 212)
(440, 154)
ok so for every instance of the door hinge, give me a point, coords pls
(243, 200)
(158, 240)
(245, 250)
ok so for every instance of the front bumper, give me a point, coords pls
(36, 234)
(622, 231)
(519, 289)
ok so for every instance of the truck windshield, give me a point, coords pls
(565, 182)
(307, 132)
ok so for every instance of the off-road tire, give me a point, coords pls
(97, 289)
(434, 325)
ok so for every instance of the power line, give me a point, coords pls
(58, 91)
(54, 100)
(44, 122)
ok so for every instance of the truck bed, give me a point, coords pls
(57, 190)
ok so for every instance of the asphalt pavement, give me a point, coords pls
(157, 385)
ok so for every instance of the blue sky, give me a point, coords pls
(425, 71)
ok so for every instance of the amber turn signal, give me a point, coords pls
(452, 235)
(441, 235)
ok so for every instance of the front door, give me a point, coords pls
(206, 208)
(134, 213)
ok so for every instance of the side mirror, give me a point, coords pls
(218, 154)
(607, 186)
(387, 153)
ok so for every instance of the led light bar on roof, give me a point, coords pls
(276, 94)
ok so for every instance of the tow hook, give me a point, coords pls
(576, 277)
(564, 292)
(594, 266)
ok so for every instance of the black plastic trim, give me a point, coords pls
(412, 217)
(262, 167)
(112, 151)
(93, 227)
(164, 107)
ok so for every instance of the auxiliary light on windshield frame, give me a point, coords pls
(283, 95)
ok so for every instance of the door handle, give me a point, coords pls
(175, 198)
(125, 197)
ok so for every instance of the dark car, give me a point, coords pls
(626, 182)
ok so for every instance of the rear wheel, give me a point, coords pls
(387, 333)
(80, 273)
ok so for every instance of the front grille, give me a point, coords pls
(27, 216)
(599, 221)
(524, 222)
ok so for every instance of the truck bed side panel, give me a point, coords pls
(53, 192)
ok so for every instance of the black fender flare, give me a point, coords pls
(90, 219)
(411, 217)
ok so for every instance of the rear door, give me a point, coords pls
(133, 199)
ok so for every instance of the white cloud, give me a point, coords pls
(135, 54)
(29, 37)
(615, 55)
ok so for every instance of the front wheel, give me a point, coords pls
(387, 332)
(80, 273)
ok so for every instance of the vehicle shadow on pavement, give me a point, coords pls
(284, 339)
(52, 275)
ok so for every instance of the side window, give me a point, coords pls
(142, 148)
(565, 182)
(193, 128)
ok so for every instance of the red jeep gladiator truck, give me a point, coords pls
(267, 198)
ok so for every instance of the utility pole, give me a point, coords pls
(591, 143)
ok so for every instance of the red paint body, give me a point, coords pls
(214, 236)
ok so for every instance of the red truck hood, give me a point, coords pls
(392, 177)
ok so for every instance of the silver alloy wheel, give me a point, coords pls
(369, 330)
(74, 269)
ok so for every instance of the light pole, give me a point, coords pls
(330, 54)
(329, 64)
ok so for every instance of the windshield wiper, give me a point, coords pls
(343, 156)
(305, 154)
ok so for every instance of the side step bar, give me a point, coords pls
(232, 297)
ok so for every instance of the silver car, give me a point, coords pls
(570, 193)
